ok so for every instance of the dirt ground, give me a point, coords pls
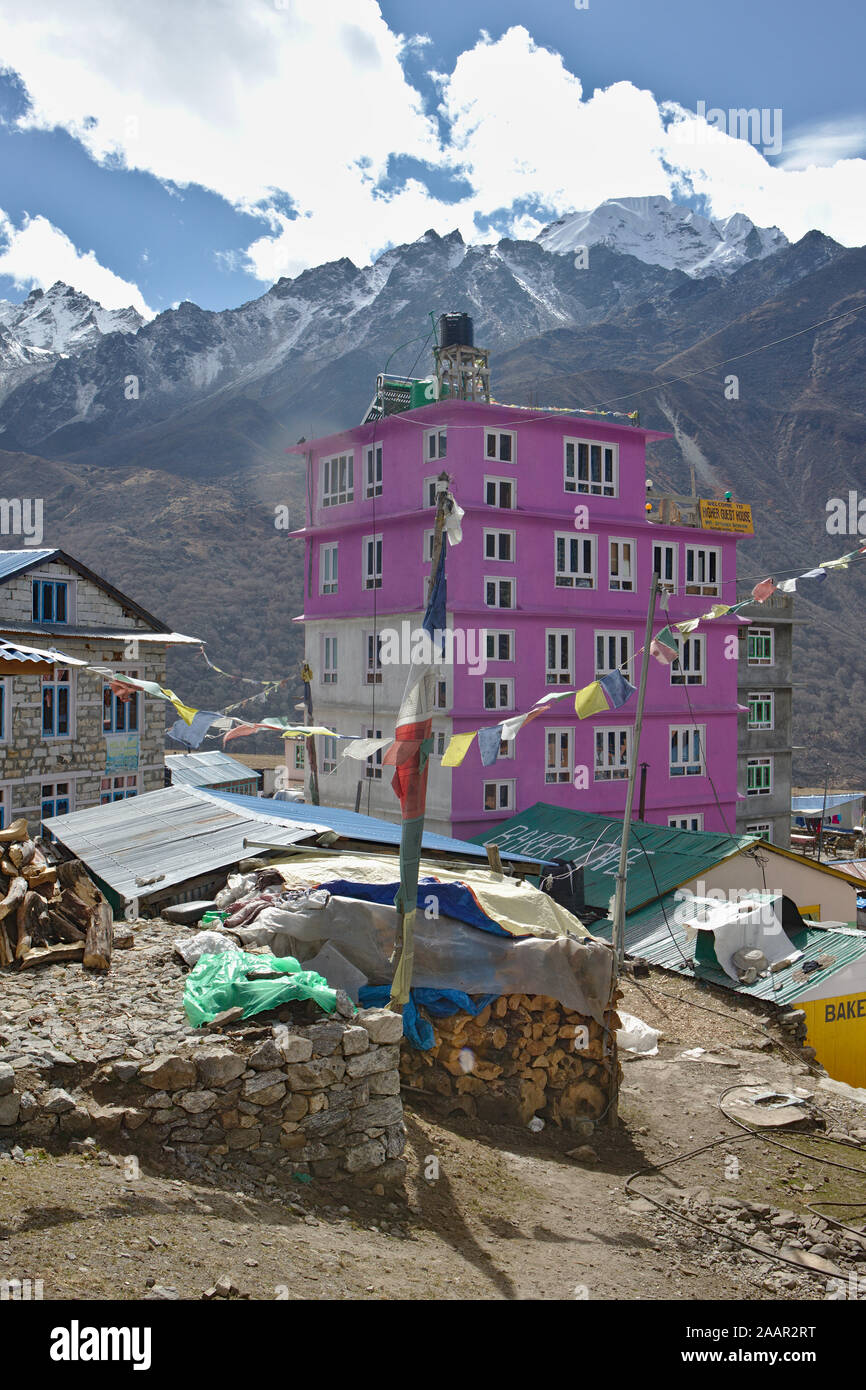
(486, 1213)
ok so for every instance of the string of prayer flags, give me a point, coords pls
(664, 647)
(688, 626)
(361, 748)
(193, 734)
(458, 747)
(488, 744)
(590, 700)
(616, 688)
(762, 591)
(717, 611)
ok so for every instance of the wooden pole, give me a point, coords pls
(618, 934)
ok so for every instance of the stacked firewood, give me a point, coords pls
(48, 912)
(521, 1056)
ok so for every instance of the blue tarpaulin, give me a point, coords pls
(441, 1003)
(452, 899)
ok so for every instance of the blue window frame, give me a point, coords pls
(55, 799)
(3, 807)
(118, 788)
(50, 601)
(4, 705)
(120, 716)
(57, 704)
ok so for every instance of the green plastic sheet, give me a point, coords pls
(227, 980)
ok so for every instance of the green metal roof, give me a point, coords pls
(659, 857)
(664, 943)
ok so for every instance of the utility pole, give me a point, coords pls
(306, 677)
(618, 934)
(823, 813)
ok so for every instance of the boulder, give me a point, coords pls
(168, 1073)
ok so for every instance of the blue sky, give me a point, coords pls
(161, 152)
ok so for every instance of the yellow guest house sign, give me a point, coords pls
(726, 516)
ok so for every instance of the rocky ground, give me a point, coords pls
(486, 1212)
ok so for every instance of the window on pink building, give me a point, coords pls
(501, 445)
(689, 668)
(622, 565)
(560, 650)
(499, 545)
(559, 764)
(373, 471)
(500, 593)
(591, 468)
(612, 754)
(574, 561)
(498, 796)
(338, 480)
(500, 492)
(703, 570)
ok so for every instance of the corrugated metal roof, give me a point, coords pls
(352, 826)
(179, 833)
(8, 653)
(653, 933)
(14, 561)
(207, 769)
(812, 805)
(111, 634)
(659, 858)
(855, 867)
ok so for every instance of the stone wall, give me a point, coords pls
(27, 759)
(322, 1100)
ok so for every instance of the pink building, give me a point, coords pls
(549, 587)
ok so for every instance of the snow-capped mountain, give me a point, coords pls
(660, 232)
(62, 319)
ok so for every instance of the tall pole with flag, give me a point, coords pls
(413, 744)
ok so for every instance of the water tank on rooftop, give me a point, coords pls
(455, 330)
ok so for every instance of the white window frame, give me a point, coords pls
(563, 740)
(558, 672)
(440, 693)
(573, 468)
(760, 762)
(498, 580)
(608, 739)
(373, 764)
(492, 637)
(372, 470)
(767, 696)
(329, 567)
(685, 733)
(329, 754)
(677, 822)
(668, 559)
(373, 663)
(372, 548)
(764, 828)
(344, 492)
(580, 578)
(625, 580)
(702, 558)
(439, 744)
(764, 632)
(683, 669)
(299, 760)
(502, 690)
(427, 547)
(507, 784)
(432, 487)
(621, 638)
(496, 535)
(436, 444)
(491, 480)
(498, 437)
(330, 658)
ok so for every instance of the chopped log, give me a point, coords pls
(62, 928)
(97, 945)
(38, 877)
(73, 875)
(15, 832)
(27, 922)
(14, 896)
(122, 937)
(72, 907)
(8, 867)
(7, 954)
(22, 853)
(45, 955)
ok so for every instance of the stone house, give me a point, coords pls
(66, 741)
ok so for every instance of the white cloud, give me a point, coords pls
(309, 101)
(37, 253)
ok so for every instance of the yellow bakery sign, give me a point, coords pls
(727, 516)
